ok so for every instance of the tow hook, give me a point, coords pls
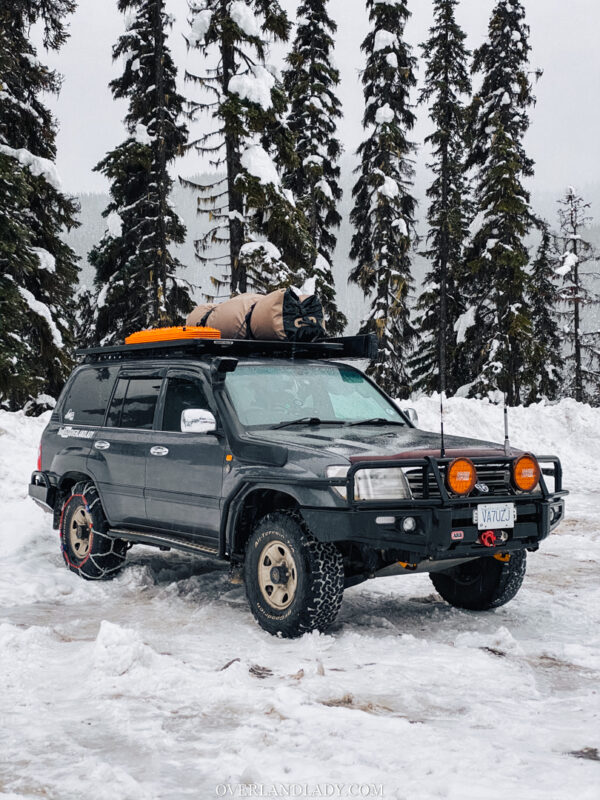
(492, 538)
(487, 538)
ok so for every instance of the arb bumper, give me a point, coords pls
(433, 523)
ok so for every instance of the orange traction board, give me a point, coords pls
(173, 334)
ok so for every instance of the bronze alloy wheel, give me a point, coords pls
(277, 575)
(80, 529)
(86, 545)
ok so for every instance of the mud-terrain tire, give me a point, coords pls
(86, 548)
(305, 593)
(482, 584)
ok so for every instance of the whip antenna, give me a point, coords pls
(442, 442)
(507, 448)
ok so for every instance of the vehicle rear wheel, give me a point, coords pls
(294, 584)
(484, 583)
(86, 548)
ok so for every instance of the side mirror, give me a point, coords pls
(412, 415)
(197, 420)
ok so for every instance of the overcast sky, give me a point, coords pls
(564, 138)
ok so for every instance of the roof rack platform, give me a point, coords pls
(343, 347)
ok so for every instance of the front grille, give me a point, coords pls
(495, 476)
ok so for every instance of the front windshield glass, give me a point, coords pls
(269, 395)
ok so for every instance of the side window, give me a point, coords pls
(139, 402)
(88, 396)
(182, 393)
(113, 420)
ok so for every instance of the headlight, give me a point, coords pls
(388, 483)
(381, 484)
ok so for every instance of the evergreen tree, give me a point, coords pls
(311, 82)
(577, 262)
(38, 270)
(499, 344)
(383, 213)
(246, 203)
(546, 359)
(437, 364)
(136, 281)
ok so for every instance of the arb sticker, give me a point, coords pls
(457, 535)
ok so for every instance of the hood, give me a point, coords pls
(370, 443)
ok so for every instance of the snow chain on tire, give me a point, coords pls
(105, 556)
(482, 584)
(318, 569)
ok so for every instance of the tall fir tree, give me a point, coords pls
(258, 237)
(437, 364)
(577, 262)
(500, 343)
(311, 82)
(38, 271)
(383, 213)
(136, 282)
(546, 362)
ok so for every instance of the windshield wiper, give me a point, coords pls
(308, 421)
(376, 421)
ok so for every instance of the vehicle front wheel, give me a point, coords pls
(86, 548)
(483, 583)
(294, 584)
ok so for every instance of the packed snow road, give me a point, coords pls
(160, 685)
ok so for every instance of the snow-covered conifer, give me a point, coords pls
(311, 81)
(38, 271)
(437, 364)
(499, 344)
(546, 361)
(578, 264)
(136, 283)
(244, 97)
(383, 213)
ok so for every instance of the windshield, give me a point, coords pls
(269, 395)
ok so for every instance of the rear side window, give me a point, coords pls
(88, 396)
(137, 403)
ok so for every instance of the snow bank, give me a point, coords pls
(567, 429)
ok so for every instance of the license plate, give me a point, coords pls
(494, 516)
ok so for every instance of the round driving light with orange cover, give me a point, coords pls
(526, 473)
(462, 476)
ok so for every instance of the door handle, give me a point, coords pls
(159, 451)
(101, 445)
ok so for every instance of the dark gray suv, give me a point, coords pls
(290, 464)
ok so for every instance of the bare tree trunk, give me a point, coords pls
(160, 272)
(239, 283)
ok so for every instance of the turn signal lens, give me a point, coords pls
(526, 473)
(39, 461)
(462, 476)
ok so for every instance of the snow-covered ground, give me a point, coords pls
(160, 685)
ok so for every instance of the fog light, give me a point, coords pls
(409, 524)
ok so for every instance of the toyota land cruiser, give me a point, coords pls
(292, 465)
